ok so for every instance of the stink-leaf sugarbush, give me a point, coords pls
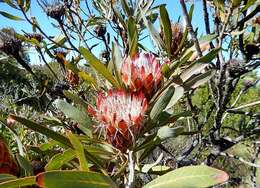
(114, 121)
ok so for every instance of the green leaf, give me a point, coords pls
(166, 117)
(166, 132)
(25, 164)
(74, 179)
(220, 4)
(79, 150)
(161, 103)
(199, 80)
(148, 167)
(162, 134)
(10, 16)
(78, 115)
(192, 70)
(27, 5)
(27, 181)
(117, 61)
(160, 170)
(98, 66)
(166, 27)
(59, 41)
(178, 93)
(191, 176)
(48, 145)
(208, 38)
(153, 33)
(126, 7)
(75, 98)
(132, 36)
(18, 140)
(7, 177)
(248, 4)
(87, 78)
(43, 130)
(209, 56)
(58, 160)
(191, 11)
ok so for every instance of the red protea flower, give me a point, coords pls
(120, 115)
(142, 72)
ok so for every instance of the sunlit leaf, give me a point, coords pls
(191, 176)
(60, 159)
(7, 177)
(25, 165)
(166, 28)
(76, 114)
(10, 16)
(98, 66)
(162, 102)
(132, 36)
(79, 150)
(43, 130)
(27, 181)
(74, 179)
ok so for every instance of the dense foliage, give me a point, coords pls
(126, 97)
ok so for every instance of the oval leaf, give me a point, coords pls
(10, 16)
(191, 176)
(74, 179)
(7, 177)
(18, 182)
(162, 102)
(166, 26)
(58, 160)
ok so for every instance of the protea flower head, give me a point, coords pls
(55, 8)
(142, 73)
(9, 43)
(177, 35)
(120, 116)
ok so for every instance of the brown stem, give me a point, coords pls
(190, 28)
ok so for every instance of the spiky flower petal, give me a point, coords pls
(120, 115)
(142, 73)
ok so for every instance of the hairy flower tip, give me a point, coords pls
(142, 73)
(55, 9)
(177, 35)
(120, 115)
(9, 43)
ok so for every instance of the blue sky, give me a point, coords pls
(172, 6)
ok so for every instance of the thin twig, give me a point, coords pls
(131, 165)
(190, 28)
(246, 105)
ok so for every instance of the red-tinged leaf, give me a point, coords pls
(74, 179)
